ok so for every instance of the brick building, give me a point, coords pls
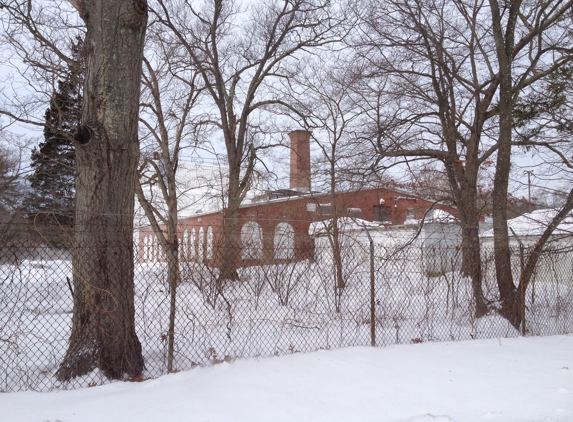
(275, 225)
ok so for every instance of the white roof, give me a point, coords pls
(345, 224)
(200, 190)
(535, 223)
(440, 216)
(348, 224)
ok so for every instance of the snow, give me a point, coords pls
(535, 223)
(349, 224)
(440, 216)
(345, 224)
(518, 379)
(274, 310)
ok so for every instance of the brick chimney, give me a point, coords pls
(300, 160)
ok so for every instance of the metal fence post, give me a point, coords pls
(372, 290)
(521, 287)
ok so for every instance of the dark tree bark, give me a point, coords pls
(504, 41)
(513, 77)
(107, 150)
(464, 187)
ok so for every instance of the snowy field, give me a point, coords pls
(274, 310)
(517, 379)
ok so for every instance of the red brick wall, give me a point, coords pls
(294, 211)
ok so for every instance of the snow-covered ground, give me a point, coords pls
(275, 310)
(517, 379)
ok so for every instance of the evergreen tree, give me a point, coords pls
(51, 203)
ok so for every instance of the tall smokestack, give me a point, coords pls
(300, 160)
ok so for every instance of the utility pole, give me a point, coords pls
(529, 173)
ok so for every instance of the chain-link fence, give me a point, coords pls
(287, 305)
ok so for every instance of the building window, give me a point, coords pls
(409, 213)
(252, 241)
(284, 241)
(354, 212)
(210, 242)
(311, 207)
(192, 247)
(325, 209)
(201, 244)
(382, 213)
(185, 244)
(146, 249)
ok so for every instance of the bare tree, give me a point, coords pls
(329, 110)
(543, 122)
(437, 87)
(238, 54)
(431, 101)
(37, 41)
(170, 94)
(41, 43)
(12, 186)
(532, 40)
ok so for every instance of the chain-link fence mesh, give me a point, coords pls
(282, 306)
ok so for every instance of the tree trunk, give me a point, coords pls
(466, 201)
(471, 267)
(502, 252)
(504, 42)
(172, 253)
(335, 235)
(339, 282)
(230, 249)
(171, 248)
(107, 148)
(169, 243)
(535, 254)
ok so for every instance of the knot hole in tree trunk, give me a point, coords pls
(83, 134)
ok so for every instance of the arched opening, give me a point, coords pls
(251, 241)
(284, 241)
(192, 243)
(210, 242)
(185, 245)
(145, 248)
(201, 244)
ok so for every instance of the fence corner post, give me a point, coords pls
(372, 290)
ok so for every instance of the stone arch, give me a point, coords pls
(185, 245)
(201, 244)
(210, 242)
(251, 241)
(192, 243)
(284, 241)
(145, 249)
